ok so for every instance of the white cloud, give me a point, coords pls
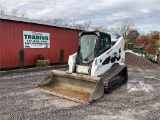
(145, 10)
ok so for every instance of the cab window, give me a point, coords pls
(104, 44)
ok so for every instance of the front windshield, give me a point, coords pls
(87, 48)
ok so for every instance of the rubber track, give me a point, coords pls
(111, 74)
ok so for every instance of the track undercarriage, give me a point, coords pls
(115, 77)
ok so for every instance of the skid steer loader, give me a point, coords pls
(96, 68)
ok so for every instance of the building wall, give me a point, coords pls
(11, 41)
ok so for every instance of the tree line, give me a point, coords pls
(15, 12)
(64, 22)
(126, 28)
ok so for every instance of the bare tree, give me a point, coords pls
(87, 24)
(100, 28)
(15, 12)
(114, 31)
(3, 10)
(123, 28)
(68, 22)
(41, 19)
(79, 26)
(57, 21)
(23, 14)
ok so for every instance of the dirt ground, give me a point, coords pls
(139, 99)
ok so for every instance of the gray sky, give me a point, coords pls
(145, 13)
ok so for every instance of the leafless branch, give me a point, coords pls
(3, 10)
(123, 28)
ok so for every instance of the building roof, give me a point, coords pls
(34, 21)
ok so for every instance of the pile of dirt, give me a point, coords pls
(133, 61)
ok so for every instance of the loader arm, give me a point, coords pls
(104, 62)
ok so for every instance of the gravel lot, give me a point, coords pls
(137, 100)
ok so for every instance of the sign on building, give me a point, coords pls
(33, 39)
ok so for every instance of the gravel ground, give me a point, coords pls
(137, 100)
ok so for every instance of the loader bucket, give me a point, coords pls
(72, 86)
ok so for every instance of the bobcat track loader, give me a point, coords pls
(97, 67)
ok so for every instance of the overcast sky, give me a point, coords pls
(145, 13)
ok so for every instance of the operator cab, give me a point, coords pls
(92, 45)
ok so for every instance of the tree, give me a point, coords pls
(100, 28)
(15, 12)
(149, 42)
(23, 13)
(79, 26)
(3, 10)
(155, 35)
(142, 42)
(87, 24)
(67, 22)
(132, 36)
(114, 31)
(57, 21)
(123, 28)
(70, 23)
(41, 19)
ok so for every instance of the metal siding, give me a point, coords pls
(12, 41)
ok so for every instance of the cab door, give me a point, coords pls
(104, 44)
